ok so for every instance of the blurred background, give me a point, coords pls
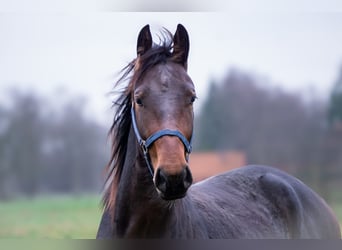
(269, 87)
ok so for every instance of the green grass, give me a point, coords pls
(55, 217)
(337, 207)
(60, 217)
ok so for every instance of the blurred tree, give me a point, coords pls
(271, 126)
(24, 141)
(49, 149)
(333, 140)
(335, 104)
(75, 149)
(211, 121)
(4, 169)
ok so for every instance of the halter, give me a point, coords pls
(146, 144)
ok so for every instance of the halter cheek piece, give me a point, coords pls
(146, 144)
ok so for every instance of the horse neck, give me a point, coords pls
(139, 211)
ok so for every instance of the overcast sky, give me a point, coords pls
(83, 51)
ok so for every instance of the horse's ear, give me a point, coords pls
(144, 42)
(181, 46)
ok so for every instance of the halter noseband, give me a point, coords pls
(146, 144)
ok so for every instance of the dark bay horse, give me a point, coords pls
(150, 192)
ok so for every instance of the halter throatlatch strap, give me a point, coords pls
(146, 144)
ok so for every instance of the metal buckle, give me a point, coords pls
(143, 146)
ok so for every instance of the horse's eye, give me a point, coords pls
(192, 100)
(139, 102)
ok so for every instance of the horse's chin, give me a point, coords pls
(170, 197)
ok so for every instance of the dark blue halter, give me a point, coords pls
(145, 144)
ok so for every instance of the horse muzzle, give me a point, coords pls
(172, 186)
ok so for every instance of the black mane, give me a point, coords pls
(119, 131)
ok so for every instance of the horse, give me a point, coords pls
(150, 193)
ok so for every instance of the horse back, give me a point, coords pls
(263, 202)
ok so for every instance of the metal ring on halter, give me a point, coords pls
(145, 144)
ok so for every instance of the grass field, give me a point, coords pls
(56, 217)
(59, 217)
(337, 207)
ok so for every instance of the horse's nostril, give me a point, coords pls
(172, 186)
(187, 178)
(160, 180)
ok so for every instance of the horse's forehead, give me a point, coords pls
(167, 75)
